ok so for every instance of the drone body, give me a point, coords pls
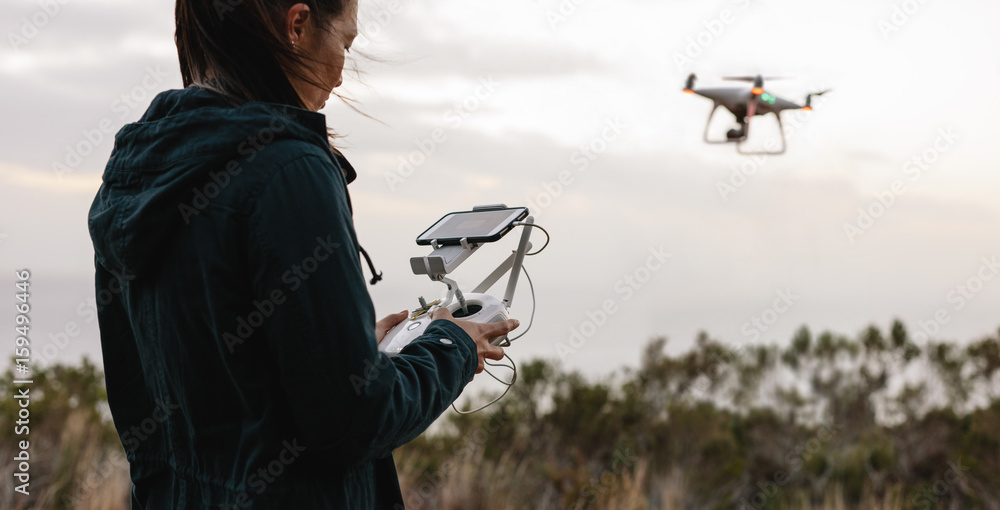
(745, 104)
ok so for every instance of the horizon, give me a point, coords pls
(883, 208)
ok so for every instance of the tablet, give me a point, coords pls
(479, 226)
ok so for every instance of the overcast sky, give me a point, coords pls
(526, 92)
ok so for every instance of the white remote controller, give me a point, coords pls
(483, 309)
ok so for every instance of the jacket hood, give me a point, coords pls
(158, 161)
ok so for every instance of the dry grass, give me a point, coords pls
(75, 472)
(477, 484)
(71, 469)
(562, 442)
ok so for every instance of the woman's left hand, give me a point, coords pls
(383, 326)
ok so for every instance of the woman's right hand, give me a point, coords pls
(481, 334)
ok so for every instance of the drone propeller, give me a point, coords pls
(751, 79)
(758, 82)
(689, 86)
(809, 98)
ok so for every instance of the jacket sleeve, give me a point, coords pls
(128, 389)
(347, 399)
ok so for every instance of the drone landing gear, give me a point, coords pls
(742, 132)
(729, 138)
(770, 145)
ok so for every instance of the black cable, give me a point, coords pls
(547, 238)
(376, 276)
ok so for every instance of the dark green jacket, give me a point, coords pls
(236, 326)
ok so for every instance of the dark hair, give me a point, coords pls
(238, 48)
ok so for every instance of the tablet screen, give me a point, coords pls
(474, 225)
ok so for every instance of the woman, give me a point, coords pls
(238, 336)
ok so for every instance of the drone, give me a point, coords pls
(744, 104)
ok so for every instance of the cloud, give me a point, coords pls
(18, 178)
(655, 184)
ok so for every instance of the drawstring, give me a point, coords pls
(376, 276)
(349, 176)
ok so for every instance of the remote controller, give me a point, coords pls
(482, 308)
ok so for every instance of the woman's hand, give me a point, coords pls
(481, 334)
(383, 326)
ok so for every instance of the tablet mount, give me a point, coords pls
(476, 306)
